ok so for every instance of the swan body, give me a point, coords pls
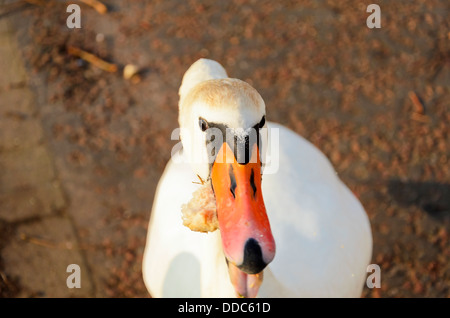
(322, 233)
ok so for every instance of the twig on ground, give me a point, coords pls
(420, 117)
(97, 5)
(91, 58)
(418, 106)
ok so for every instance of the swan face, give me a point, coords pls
(223, 104)
(221, 123)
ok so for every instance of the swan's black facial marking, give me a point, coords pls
(242, 149)
(262, 122)
(232, 181)
(241, 145)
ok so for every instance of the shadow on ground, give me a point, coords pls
(431, 197)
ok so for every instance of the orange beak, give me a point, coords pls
(247, 239)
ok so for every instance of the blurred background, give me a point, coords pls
(82, 147)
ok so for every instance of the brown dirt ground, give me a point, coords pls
(321, 72)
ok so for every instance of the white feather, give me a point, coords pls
(202, 70)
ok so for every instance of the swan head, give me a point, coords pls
(223, 125)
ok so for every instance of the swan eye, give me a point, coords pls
(203, 124)
(262, 122)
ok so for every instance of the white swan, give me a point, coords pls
(321, 231)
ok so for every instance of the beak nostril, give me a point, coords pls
(232, 181)
(252, 183)
(253, 261)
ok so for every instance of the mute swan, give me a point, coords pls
(295, 231)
